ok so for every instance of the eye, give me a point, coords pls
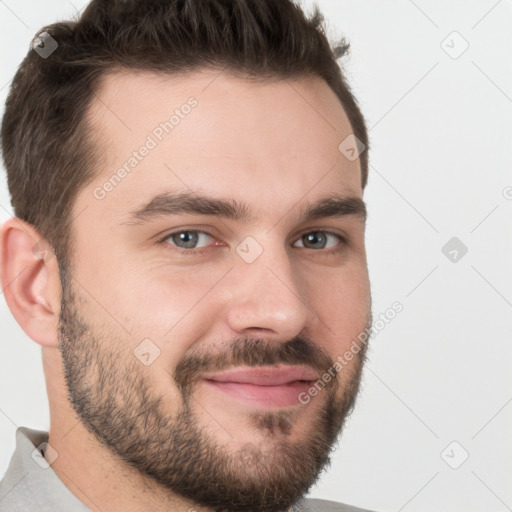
(192, 240)
(319, 240)
(189, 239)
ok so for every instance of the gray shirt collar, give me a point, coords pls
(30, 483)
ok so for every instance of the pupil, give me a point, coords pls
(315, 239)
(186, 239)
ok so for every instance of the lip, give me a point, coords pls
(263, 387)
(265, 375)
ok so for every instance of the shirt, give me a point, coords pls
(31, 485)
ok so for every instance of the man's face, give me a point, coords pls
(193, 332)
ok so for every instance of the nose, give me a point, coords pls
(269, 299)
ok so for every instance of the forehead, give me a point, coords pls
(212, 132)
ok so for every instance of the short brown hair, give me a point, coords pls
(47, 144)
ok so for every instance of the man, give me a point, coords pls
(188, 249)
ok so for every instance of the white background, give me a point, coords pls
(441, 159)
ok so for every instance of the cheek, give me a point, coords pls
(173, 309)
(342, 301)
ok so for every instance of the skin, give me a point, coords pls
(271, 146)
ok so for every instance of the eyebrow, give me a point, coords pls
(167, 204)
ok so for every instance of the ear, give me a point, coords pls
(30, 281)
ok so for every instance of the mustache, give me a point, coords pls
(251, 352)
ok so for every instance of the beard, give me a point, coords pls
(114, 397)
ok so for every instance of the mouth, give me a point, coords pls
(264, 387)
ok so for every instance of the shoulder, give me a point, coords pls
(315, 505)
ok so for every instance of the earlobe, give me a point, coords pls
(29, 272)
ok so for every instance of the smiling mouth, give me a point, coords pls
(265, 387)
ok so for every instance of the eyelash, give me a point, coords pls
(333, 250)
